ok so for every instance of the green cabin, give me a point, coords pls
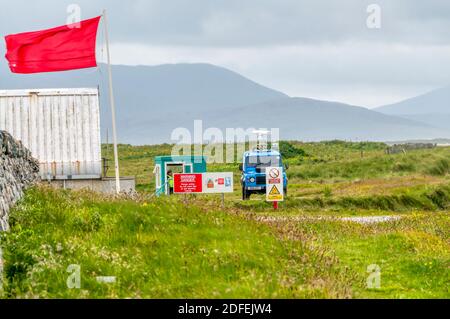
(176, 164)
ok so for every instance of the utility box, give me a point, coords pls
(176, 164)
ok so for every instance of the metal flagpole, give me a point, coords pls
(113, 107)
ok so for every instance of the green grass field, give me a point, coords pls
(312, 247)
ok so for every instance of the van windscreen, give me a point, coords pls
(262, 161)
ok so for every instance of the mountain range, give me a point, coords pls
(154, 100)
(432, 108)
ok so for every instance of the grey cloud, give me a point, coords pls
(231, 23)
(338, 53)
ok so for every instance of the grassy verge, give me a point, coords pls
(165, 248)
(160, 249)
(431, 199)
(412, 254)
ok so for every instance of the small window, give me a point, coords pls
(157, 172)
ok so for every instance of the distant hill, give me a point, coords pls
(166, 96)
(154, 100)
(434, 102)
(432, 108)
(314, 120)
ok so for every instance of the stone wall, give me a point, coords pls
(403, 148)
(18, 170)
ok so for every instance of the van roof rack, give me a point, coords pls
(262, 140)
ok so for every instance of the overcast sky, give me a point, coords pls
(316, 48)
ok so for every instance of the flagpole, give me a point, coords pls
(113, 107)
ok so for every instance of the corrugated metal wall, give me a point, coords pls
(61, 128)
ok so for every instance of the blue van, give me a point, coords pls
(253, 168)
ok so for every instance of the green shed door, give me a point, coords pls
(187, 168)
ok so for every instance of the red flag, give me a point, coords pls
(63, 48)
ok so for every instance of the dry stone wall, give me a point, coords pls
(18, 170)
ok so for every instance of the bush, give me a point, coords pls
(440, 168)
(327, 192)
(289, 151)
(404, 167)
(441, 197)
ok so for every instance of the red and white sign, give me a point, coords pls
(275, 184)
(274, 176)
(207, 183)
(217, 183)
(187, 183)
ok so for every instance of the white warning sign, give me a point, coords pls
(274, 184)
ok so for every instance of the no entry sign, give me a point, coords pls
(187, 183)
(275, 184)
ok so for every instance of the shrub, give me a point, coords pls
(440, 197)
(327, 192)
(440, 168)
(404, 167)
(289, 151)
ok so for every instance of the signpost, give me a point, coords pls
(206, 183)
(275, 185)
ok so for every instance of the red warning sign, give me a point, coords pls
(187, 183)
(275, 184)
